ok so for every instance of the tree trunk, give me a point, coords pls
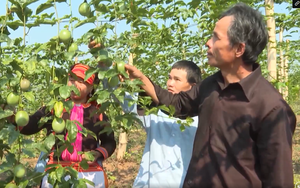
(286, 73)
(122, 145)
(269, 8)
(281, 71)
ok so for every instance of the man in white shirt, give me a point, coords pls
(167, 149)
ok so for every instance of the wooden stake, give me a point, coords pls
(269, 9)
(281, 73)
(123, 136)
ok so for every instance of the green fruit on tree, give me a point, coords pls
(11, 185)
(121, 67)
(19, 171)
(64, 35)
(103, 54)
(113, 81)
(25, 84)
(107, 63)
(73, 47)
(13, 99)
(103, 58)
(22, 118)
(58, 125)
(84, 9)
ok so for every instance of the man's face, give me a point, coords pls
(220, 52)
(178, 81)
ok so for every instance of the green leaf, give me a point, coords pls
(29, 152)
(75, 89)
(60, 173)
(182, 128)
(72, 131)
(28, 2)
(111, 73)
(4, 38)
(43, 120)
(84, 164)
(10, 158)
(52, 178)
(152, 111)
(73, 172)
(6, 61)
(89, 156)
(6, 113)
(60, 1)
(172, 110)
(29, 96)
(3, 81)
(43, 7)
(15, 24)
(101, 74)
(102, 96)
(30, 66)
(14, 2)
(13, 136)
(49, 142)
(23, 184)
(90, 72)
(58, 109)
(89, 20)
(86, 181)
(64, 92)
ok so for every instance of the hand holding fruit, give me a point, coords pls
(96, 43)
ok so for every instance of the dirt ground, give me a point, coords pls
(121, 174)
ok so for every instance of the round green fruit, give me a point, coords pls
(113, 81)
(121, 67)
(64, 36)
(84, 9)
(11, 185)
(107, 63)
(73, 47)
(13, 99)
(25, 84)
(58, 125)
(103, 54)
(22, 118)
(19, 171)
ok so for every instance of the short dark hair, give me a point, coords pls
(193, 72)
(247, 27)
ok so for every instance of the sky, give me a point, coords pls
(45, 32)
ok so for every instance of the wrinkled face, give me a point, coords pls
(220, 52)
(83, 87)
(178, 81)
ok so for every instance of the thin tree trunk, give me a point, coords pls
(269, 9)
(123, 136)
